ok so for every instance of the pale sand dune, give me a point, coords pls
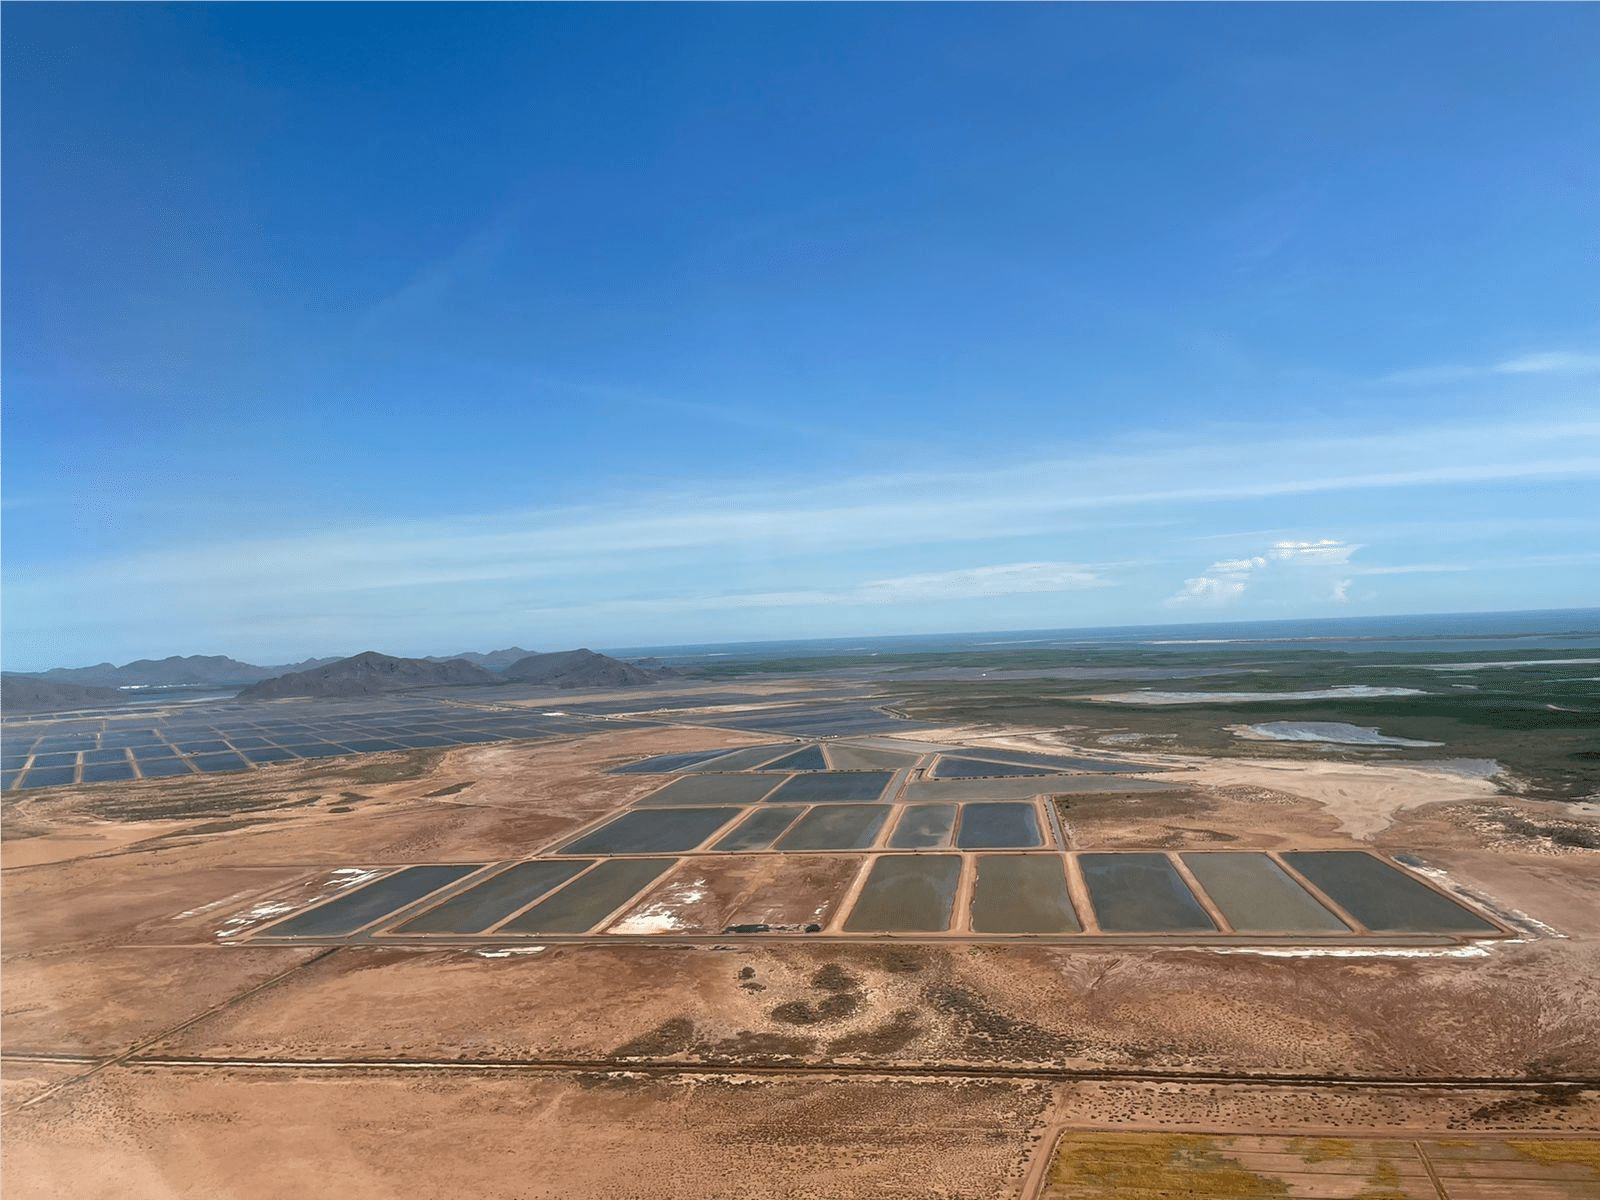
(1364, 799)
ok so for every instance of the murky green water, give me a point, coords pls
(924, 827)
(1141, 893)
(1257, 896)
(1022, 893)
(907, 894)
(760, 829)
(1382, 898)
(588, 899)
(836, 827)
(653, 831)
(833, 787)
(363, 905)
(998, 827)
(494, 899)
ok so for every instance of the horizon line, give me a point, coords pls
(643, 647)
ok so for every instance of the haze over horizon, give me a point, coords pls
(412, 328)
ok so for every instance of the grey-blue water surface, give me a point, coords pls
(1435, 632)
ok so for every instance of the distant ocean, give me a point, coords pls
(1559, 629)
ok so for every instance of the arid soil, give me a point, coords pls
(148, 1056)
(1360, 799)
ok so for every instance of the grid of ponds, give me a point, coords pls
(797, 756)
(883, 851)
(1205, 896)
(677, 821)
(175, 740)
(775, 756)
(1000, 764)
(848, 718)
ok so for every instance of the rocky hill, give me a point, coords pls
(194, 670)
(369, 673)
(495, 660)
(29, 694)
(579, 669)
(305, 664)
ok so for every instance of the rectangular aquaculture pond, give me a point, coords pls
(1141, 893)
(495, 899)
(998, 827)
(978, 768)
(833, 787)
(1382, 898)
(838, 827)
(652, 831)
(590, 898)
(1064, 763)
(924, 827)
(1022, 893)
(865, 758)
(760, 829)
(1256, 895)
(907, 894)
(712, 789)
(1025, 786)
(807, 758)
(743, 760)
(364, 905)
(662, 763)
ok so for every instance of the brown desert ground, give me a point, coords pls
(153, 1050)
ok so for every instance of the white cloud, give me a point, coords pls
(789, 537)
(1558, 361)
(1219, 589)
(1326, 551)
(1007, 579)
(1226, 580)
(910, 509)
(432, 282)
(1552, 362)
(1429, 376)
(1519, 562)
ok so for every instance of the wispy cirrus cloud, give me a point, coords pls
(797, 543)
(1550, 362)
(1516, 562)
(432, 282)
(1557, 361)
(1005, 579)
(1047, 496)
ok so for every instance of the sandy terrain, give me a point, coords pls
(1361, 798)
(449, 1134)
(735, 1067)
(80, 840)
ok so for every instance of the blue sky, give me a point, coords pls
(431, 327)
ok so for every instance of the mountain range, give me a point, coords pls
(217, 670)
(495, 660)
(194, 670)
(370, 672)
(581, 668)
(28, 693)
(361, 674)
